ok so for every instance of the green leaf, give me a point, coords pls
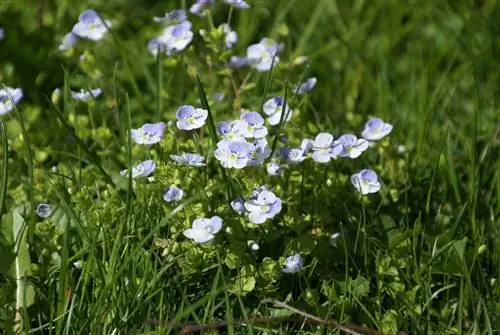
(25, 294)
(358, 287)
(459, 247)
(8, 256)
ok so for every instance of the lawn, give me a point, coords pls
(249, 167)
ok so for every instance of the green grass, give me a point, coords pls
(420, 257)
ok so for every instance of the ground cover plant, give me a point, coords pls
(249, 167)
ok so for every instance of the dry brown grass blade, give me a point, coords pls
(190, 328)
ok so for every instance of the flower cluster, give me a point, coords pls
(234, 150)
(243, 141)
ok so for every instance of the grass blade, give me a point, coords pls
(3, 181)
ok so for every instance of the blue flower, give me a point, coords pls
(177, 37)
(350, 146)
(219, 96)
(173, 193)
(273, 169)
(375, 129)
(263, 205)
(68, 41)
(240, 4)
(204, 230)
(157, 44)
(305, 87)
(324, 149)
(43, 210)
(273, 109)
(293, 264)
(260, 56)
(86, 95)
(90, 26)
(238, 205)
(143, 169)
(149, 133)
(254, 246)
(9, 97)
(296, 155)
(199, 7)
(333, 239)
(232, 130)
(254, 126)
(231, 36)
(189, 159)
(259, 151)
(174, 17)
(366, 181)
(189, 118)
(233, 154)
(236, 62)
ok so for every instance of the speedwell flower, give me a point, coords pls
(260, 56)
(238, 205)
(240, 4)
(199, 7)
(68, 41)
(366, 181)
(219, 96)
(157, 44)
(177, 37)
(231, 37)
(9, 97)
(259, 151)
(189, 159)
(305, 87)
(296, 155)
(236, 62)
(232, 130)
(273, 109)
(173, 193)
(333, 239)
(143, 169)
(204, 230)
(43, 210)
(293, 264)
(189, 118)
(86, 95)
(375, 129)
(351, 146)
(324, 149)
(90, 26)
(149, 133)
(254, 125)
(273, 169)
(263, 205)
(174, 17)
(233, 154)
